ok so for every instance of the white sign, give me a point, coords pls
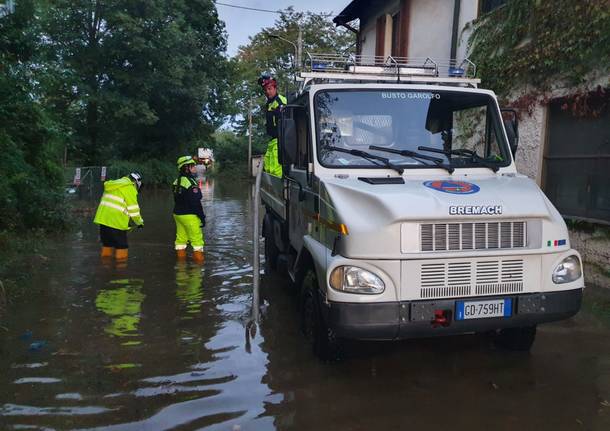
(205, 153)
(103, 176)
(77, 177)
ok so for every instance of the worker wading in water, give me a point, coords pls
(118, 207)
(188, 211)
(275, 101)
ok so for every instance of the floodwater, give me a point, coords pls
(159, 345)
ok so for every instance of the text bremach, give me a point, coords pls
(475, 210)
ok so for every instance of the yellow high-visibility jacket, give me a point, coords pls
(118, 205)
(271, 162)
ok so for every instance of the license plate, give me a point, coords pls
(465, 310)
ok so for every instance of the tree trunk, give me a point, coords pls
(92, 129)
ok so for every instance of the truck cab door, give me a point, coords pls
(300, 196)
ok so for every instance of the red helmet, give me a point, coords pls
(267, 80)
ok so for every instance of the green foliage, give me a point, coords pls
(30, 138)
(266, 54)
(154, 172)
(102, 80)
(231, 151)
(539, 41)
(135, 79)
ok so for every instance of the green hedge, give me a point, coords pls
(31, 192)
(154, 172)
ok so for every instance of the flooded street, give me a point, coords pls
(159, 345)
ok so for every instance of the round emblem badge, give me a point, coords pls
(453, 187)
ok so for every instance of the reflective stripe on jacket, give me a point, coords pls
(273, 114)
(118, 205)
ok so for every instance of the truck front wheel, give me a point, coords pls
(271, 250)
(516, 338)
(323, 340)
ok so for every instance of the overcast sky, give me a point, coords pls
(241, 23)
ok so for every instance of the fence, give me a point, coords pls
(87, 181)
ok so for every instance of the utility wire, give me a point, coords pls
(279, 12)
(248, 8)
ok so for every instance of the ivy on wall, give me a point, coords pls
(539, 42)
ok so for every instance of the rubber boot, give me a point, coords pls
(121, 254)
(198, 256)
(181, 254)
(107, 251)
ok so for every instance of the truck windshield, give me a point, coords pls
(458, 129)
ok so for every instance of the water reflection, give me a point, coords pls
(122, 304)
(189, 289)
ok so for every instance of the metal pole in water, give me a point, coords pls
(256, 257)
(250, 137)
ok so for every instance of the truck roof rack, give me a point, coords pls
(339, 68)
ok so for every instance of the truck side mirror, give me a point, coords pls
(287, 137)
(511, 124)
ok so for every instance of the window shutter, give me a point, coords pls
(380, 36)
(403, 38)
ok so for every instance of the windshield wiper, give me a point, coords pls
(474, 157)
(407, 153)
(368, 156)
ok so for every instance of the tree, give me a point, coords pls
(30, 138)
(267, 54)
(140, 78)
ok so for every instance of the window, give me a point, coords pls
(577, 163)
(303, 140)
(395, 120)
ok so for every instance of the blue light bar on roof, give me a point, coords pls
(456, 72)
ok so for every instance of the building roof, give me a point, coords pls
(356, 9)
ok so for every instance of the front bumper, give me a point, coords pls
(412, 319)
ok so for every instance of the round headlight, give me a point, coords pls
(352, 279)
(568, 270)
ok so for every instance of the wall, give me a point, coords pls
(368, 41)
(531, 137)
(368, 23)
(595, 251)
(532, 124)
(468, 13)
(430, 28)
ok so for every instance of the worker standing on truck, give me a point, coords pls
(188, 211)
(274, 103)
(118, 207)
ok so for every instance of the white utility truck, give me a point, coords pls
(401, 213)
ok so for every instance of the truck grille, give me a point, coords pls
(484, 277)
(472, 236)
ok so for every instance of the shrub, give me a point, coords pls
(154, 172)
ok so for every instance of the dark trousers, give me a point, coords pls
(111, 237)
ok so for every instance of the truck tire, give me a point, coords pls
(271, 250)
(520, 339)
(325, 344)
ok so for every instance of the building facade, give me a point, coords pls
(411, 28)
